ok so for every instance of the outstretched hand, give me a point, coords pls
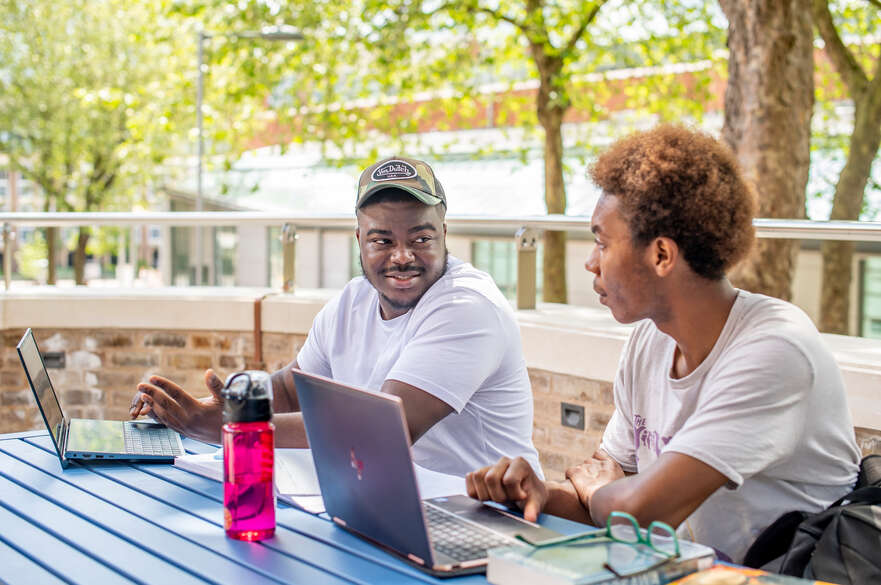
(509, 480)
(168, 403)
(593, 474)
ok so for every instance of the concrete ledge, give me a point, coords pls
(163, 308)
(577, 341)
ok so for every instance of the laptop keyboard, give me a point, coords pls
(458, 539)
(158, 441)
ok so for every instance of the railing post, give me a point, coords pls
(7, 255)
(289, 262)
(526, 241)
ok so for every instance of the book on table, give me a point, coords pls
(728, 575)
(593, 561)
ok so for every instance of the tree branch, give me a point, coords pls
(853, 75)
(875, 83)
(585, 22)
(474, 8)
(26, 172)
(504, 17)
(875, 3)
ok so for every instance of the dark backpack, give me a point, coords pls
(841, 544)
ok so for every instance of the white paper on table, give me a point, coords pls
(295, 473)
(296, 481)
(311, 504)
(433, 484)
(206, 464)
(294, 470)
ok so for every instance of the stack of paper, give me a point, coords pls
(296, 481)
(206, 464)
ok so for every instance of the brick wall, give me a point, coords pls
(559, 446)
(103, 368)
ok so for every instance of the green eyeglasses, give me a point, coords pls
(622, 527)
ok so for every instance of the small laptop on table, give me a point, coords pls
(361, 447)
(89, 439)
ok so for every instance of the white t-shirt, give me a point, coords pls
(766, 408)
(460, 343)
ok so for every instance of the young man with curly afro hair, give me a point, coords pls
(729, 409)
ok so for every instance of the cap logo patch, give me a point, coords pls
(393, 170)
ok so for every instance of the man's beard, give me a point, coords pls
(400, 305)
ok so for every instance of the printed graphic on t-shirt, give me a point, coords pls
(647, 438)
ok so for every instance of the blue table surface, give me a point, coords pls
(111, 522)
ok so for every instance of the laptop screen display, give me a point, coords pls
(42, 387)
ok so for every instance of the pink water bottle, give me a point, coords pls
(248, 443)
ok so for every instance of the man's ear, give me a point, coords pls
(664, 254)
(358, 235)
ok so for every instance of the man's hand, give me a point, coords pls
(593, 474)
(171, 405)
(509, 480)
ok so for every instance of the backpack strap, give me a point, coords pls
(774, 541)
(864, 495)
(870, 471)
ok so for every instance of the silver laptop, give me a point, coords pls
(92, 439)
(361, 447)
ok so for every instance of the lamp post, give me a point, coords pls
(270, 34)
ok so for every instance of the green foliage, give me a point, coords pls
(89, 97)
(370, 73)
(95, 93)
(858, 25)
(102, 241)
(31, 258)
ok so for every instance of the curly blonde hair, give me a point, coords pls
(685, 185)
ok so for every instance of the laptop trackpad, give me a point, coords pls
(95, 436)
(493, 518)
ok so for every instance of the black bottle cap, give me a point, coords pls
(247, 397)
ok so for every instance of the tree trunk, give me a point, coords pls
(846, 205)
(554, 257)
(51, 246)
(51, 237)
(768, 107)
(551, 104)
(79, 258)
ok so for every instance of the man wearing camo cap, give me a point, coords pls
(419, 324)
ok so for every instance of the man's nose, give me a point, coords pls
(592, 263)
(402, 254)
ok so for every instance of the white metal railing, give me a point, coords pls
(801, 229)
(525, 230)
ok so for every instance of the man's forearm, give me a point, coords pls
(290, 431)
(563, 501)
(283, 392)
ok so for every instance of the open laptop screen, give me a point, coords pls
(38, 378)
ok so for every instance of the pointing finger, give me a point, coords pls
(532, 507)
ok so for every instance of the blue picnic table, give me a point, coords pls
(149, 523)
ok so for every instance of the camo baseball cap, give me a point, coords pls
(411, 175)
